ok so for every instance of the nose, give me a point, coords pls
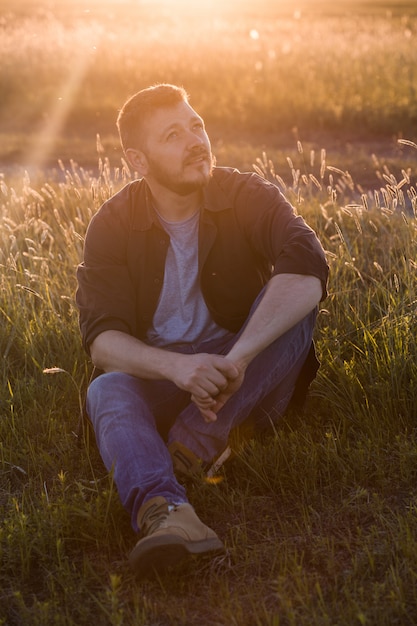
(194, 142)
(194, 139)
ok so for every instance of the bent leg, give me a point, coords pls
(121, 410)
(269, 378)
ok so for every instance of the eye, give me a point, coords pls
(172, 135)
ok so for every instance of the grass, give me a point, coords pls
(319, 517)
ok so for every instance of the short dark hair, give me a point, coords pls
(140, 105)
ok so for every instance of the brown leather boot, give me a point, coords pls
(170, 534)
(187, 464)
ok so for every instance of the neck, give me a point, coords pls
(173, 207)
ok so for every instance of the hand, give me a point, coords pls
(210, 406)
(204, 376)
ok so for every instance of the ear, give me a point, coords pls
(137, 160)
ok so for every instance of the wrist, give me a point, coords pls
(240, 360)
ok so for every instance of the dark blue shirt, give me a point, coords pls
(248, 232)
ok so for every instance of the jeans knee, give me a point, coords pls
(106, 388)
(108, 380)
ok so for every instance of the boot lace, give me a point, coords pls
(154, 517)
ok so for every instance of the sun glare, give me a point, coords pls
(84, 42)
(180, 6)
(191, 6)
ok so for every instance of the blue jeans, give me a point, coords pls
(134, 419)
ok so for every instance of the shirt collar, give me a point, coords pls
(145, 216)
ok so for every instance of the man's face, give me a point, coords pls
(177, 149)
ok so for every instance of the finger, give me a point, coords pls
(203, 402)
(209, 416)
(228, 369)
(207, 411)
(210, 388)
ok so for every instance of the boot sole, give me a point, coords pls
(161, 553)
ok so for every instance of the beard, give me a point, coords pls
(179, 181)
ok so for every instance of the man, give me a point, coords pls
(198, 295)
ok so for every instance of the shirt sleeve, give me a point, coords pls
(105, 294)
(274, 229)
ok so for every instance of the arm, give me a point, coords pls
(287, 300)
(273, 231)
(203, 375)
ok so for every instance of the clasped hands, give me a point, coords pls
(211, 380)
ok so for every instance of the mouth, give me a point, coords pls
(197, 159)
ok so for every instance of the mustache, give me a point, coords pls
(196, 153)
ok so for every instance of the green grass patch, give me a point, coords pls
(319, 516)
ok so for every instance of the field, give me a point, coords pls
(320, 516)
(334, 75)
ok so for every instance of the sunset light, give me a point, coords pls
(245, 67)
(189, 7)
(246, 453)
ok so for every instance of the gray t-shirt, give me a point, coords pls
(182, 315)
